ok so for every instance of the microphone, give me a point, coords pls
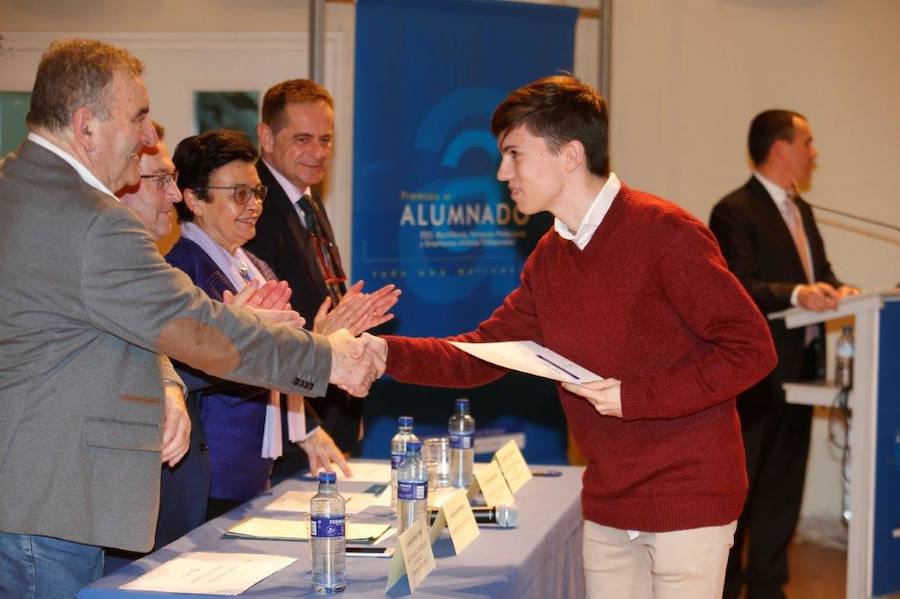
(856, 217)
(504, 516)
(849, 215)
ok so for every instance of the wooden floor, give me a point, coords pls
(817, 573)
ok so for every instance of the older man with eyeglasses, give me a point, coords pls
(155, 195)
(86, 308)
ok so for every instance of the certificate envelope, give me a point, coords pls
(529, 357)
(297, 529)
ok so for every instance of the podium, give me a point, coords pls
(873, 544)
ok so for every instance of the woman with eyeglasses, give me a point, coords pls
(222, 200)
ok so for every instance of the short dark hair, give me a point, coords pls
(75, 73)
(559, 109)
(767, 127)
(292, 91)
(196, 157)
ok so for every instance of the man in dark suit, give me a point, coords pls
(770, 241)
(87, 306)
(295, 238)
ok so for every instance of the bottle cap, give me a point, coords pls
(848, 329)
(328, 476)
(405, 421)
(413, 446)
(462, 405)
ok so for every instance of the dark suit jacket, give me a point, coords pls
(759, 249)
(87, 305)
(284, 244)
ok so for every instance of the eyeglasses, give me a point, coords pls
(162, 180)
(243, 193)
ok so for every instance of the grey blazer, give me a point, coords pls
(87, 305)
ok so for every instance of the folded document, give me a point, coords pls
(296, 529)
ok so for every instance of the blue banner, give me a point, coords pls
(428, 212)
(886, 528)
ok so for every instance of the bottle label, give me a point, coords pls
(412, 490)
(396, 458)
(326, 526)
(461, 440)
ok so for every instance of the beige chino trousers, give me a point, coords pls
(683, 564)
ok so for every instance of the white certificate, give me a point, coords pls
(365, 472)
(210, 573)
(530, 357)
(298, 530)
(298, 501)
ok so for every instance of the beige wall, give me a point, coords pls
(687, 77)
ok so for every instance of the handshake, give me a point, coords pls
(356, 362)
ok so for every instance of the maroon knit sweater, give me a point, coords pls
(651, 303)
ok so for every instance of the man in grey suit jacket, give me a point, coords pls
(87, 306)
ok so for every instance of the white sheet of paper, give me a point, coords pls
(365, 472)
(298, 530)
(298, 501)
(383, 499)
(210, 573)
(530, 357)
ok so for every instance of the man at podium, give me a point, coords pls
(771, 243)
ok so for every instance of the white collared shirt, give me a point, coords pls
(594, 215)
(86, 175)
(778, 194)
(293, 192)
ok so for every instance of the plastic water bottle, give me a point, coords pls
(398, 451)
(326, 536)
(461, 430)
(412, 487)
(843, 368)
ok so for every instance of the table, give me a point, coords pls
(540, 558)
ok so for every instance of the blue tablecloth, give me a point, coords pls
(541, 558)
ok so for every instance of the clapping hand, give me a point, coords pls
(272, 295)
(270, 302)
(357, 311)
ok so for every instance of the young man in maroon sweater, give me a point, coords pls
(634, 288)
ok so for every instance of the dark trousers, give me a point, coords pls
(776, 442)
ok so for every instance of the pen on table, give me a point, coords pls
(557, 366)
(551, 473)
